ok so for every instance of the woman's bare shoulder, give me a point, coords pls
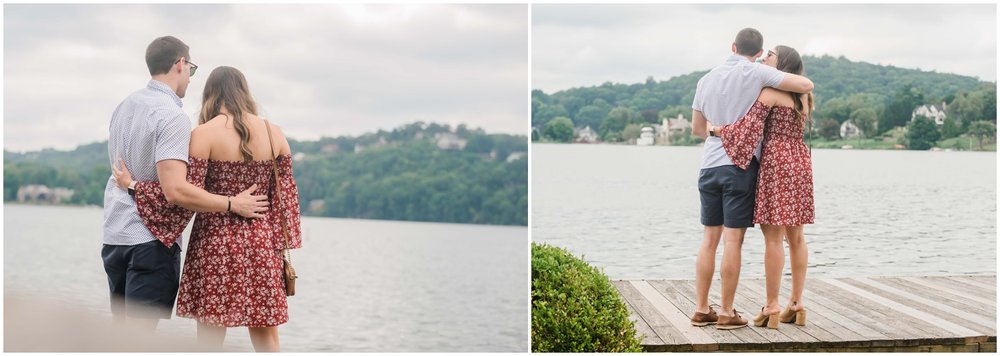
(775, 97)
(214, 123)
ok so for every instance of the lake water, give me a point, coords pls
(364, 285)
(634, 211)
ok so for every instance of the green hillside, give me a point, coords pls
(882, 96)
(401, 174)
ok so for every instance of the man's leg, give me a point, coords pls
(738, 208)
(732, 258)
(151, 285)
(115, 267)
(710, 190)
(705, 267)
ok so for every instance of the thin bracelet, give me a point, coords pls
(229, 204)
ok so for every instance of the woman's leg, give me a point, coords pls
(265, 339)
(211, 337)
(774, 264)
(799, 255)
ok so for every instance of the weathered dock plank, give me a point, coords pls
(887, 314)
(671, 337)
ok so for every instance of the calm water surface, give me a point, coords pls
(634, 211)
(364, 285)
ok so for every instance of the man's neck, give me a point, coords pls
(166, 80)
(749, 58)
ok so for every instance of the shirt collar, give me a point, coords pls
(164, 88)
(737, 58)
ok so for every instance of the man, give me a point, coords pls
(724, 95)
(150, 134)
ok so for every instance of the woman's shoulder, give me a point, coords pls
(775, 97)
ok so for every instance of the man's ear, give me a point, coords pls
(759, 53)
(733, 48)
(179, 65)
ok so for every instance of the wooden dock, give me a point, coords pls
(914, 314)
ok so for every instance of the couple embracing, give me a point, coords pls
(234, 169)
(756, 169)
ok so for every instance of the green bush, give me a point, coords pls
(574, 308)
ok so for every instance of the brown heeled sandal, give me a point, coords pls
(771, 320)
(790, 316)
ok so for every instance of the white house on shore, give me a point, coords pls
(849, 130)
(934, 112)
(586, 135)
(450, 141)
(672, 128)
(516, 156)
(35, 193)
(646, 137)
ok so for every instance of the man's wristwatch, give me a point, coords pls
(131, 189)
(712, 133)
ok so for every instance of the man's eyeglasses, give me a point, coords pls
(194, 67)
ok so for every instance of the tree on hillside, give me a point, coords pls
(836, 109)
(982, 130)
(975, 105)
(899, 109)
(922, 133)
(672, 111)
(952, 127)
(650, 116)
(865, 119)
(548, 112)
(616, 121)
(591, 115)
(559, 129)
(828, 129)
(631, 132)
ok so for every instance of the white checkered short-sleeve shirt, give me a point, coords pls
(725, 94)
(147, 127)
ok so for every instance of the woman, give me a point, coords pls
(233, 269)
(784, 185)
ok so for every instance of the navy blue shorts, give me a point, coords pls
(143, 278)
(728, 195)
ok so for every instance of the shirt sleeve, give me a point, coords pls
(164, 220)
(769, 76)
(740, 139)
(173, 136)
(285, 214)
(699, 100)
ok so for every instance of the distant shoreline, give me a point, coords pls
(12, 203)
(938, 149)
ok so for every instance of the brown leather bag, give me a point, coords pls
(288, 270)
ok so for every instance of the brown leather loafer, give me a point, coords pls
(704, 319)
(731, 322)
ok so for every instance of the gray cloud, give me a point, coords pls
(583, 45)
(316, 70)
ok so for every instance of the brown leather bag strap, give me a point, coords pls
(277, 189)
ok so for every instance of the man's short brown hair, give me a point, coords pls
(163, 52)
(749, 42)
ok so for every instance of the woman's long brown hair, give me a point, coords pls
(226, 87)
(789, 61)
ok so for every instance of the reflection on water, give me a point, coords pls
(634, 211)
(364, 285)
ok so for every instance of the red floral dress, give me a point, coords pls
(785, 182)
(232, 272)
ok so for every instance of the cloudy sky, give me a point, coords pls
(585, 45)
(316, 70)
